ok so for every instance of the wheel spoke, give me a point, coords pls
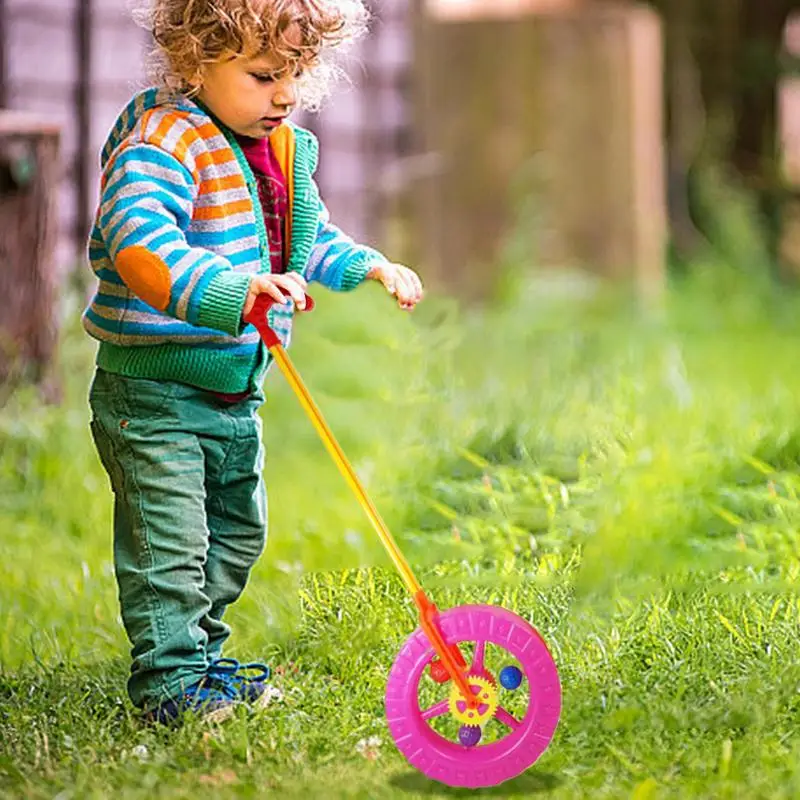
(436, 710)
(478, 658)
(509, 721)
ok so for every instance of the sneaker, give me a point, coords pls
(211, 699)
(248, 681)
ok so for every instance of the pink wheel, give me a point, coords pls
(511, 727)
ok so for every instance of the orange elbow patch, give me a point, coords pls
(146, 275)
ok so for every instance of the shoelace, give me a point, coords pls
(214, 684)
(224, 688)
(229, 670)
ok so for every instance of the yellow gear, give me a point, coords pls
(487, 701)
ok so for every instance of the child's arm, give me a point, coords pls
(339, 263)
(146, 205)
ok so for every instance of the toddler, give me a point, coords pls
(207, 200)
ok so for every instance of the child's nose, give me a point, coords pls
(285, 94)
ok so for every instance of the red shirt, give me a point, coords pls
(274, 198)
(272, 193)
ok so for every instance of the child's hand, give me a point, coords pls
(400, 281)
(278, 287)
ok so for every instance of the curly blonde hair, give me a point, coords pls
(191, 33)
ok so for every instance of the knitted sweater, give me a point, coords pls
(178, 234)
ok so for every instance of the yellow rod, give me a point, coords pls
(311, 408)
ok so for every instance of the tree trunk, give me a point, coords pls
(722, 78)
(548, 135)
(756, 150)
(29, 174)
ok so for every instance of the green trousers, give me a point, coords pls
(189, 520)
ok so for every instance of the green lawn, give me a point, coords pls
(629, 483)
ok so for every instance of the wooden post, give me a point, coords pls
(83, 109)
(29, 175)
(548, 129)
(3, 68)
(369, 140)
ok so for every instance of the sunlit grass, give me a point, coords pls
(626, 481)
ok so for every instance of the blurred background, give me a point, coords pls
(597, 133)
(569, 177)
(592, 419)
(561, 172)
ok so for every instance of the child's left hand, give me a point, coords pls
(400, 281)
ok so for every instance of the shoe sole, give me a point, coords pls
(219, 714)
(262, 702)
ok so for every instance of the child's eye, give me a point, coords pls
(261, 78)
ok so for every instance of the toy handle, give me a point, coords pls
(258, 317)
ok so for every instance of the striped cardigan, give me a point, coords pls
(178, 234)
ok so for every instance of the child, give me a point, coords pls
(207, 200)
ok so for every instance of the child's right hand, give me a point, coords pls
(277, 287)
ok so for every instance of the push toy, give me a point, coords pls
(502, 706)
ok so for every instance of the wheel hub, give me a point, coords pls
(486, 693)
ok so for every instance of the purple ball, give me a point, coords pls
(469, 735)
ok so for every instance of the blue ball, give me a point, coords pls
(510, 677)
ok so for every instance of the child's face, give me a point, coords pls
(246, 96)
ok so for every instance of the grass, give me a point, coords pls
(628, 482)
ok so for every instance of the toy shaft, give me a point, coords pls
(450, 655)
(311, 408)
